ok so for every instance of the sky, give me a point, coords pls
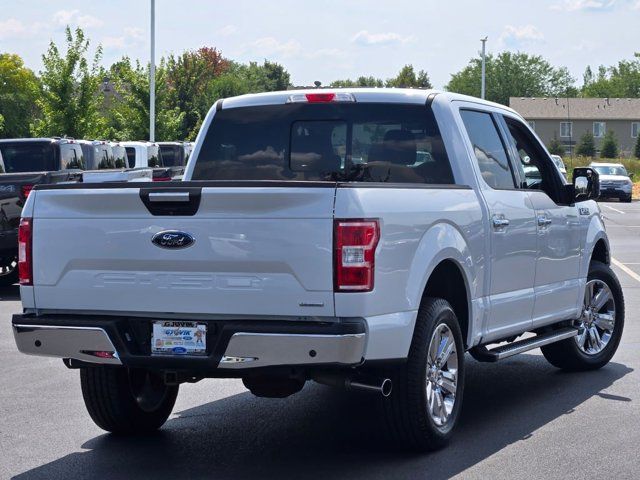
(328, 40)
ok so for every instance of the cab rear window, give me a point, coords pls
(325, 142)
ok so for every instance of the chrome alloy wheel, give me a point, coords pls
(442, 375)
(598, 318)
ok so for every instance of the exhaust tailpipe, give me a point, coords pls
(381, 386)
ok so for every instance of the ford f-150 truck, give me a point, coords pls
(365, 239)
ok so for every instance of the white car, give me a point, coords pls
(280, 260)
(615, 181)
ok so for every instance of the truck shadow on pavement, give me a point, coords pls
(325, 433)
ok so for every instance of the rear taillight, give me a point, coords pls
(26, 190)
(25, 259)
(355, 250)
(161, 179)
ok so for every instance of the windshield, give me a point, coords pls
(28, 156)
(617, 170)
(337, 142)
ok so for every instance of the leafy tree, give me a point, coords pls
(609, 148)
(128, 115)
(512, 75)
(556, 147)
(69, 102)
(621, 80)
(19, 90)
(587, 145)
(361, 81)
(636, 150)
(407, 78)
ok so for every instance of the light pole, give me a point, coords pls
(152, 76)
(482, 85)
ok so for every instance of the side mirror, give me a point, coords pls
(586, 184)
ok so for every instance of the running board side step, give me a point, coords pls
(482, 354)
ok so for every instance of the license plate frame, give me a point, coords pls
(178, 338)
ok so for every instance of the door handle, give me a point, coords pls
(500, 221)
(543, 221)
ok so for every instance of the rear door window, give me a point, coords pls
(328, 142)
(172, 155)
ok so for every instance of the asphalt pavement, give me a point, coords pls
(522, 418)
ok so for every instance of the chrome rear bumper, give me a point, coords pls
(240, 350)
(79, 343)
(251, 350)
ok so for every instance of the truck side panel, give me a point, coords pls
(420, 227)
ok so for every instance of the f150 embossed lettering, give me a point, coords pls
(364, 238)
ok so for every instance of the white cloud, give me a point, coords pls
(13, 28)
(514, 37)
(363, 37)
(65, 17)
(636, 6)
(227, 30)
(133, 37)
(272, 46)
(584, 5)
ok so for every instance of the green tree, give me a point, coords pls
(361, 81)
(512, 75)
(70, 101)
(609, 148)
(128, 114)
(618, 81)
(556, 147)
(19, 90)
(587, 145)
(407, 78)
(636, 150)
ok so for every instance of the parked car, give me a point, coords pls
(559, 163)
(279, 261)
(25, 162)
(148, 155)
(615, 181)
(102, 164)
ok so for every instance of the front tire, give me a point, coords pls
(424, 407)
(600, 325)
(126, 401)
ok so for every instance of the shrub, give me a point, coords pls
(556, 147)
(609, 147)
(636, 150)
(587, 146)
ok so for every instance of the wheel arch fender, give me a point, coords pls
(596, 245)
(444, 244)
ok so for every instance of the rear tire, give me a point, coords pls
(126, 401)
(599, 338)
(424, 406)
(628, 199)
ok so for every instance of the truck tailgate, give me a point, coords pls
(256, 251)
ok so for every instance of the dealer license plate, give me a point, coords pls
(174, 337)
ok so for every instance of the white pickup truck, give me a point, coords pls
(364, 238)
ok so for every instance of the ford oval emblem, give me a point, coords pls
(172, 239)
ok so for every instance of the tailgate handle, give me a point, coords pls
(169, 196)
(168, 201)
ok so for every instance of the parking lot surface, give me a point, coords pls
(522, 418)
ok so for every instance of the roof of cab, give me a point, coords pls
(362, 95)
